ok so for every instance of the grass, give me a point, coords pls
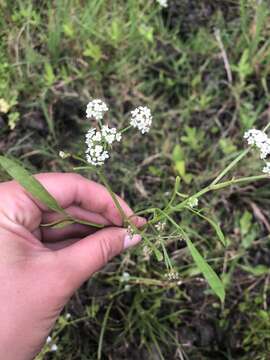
(204, 69)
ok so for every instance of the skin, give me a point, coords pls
(41, 268)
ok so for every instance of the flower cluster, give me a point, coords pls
(172, 275)
(99, 140)
(163, 3)
(141, 118)
(160, 226)
(96, 109)
(53, 347)
(192, 202)
(110, 134)
(266, 169)
(260, 140)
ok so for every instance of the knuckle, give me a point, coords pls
(106, 250)
(76, 177)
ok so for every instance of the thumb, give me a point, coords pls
(81, 259)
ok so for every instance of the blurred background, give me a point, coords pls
(203, 68)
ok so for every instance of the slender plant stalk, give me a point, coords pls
(211, 187)
(115, 200)
(231, 165)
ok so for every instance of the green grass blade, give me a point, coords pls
(209, 274)
(103, 328)
(35, 188)
(212, 278)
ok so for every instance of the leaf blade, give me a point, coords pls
(210, 275)
(30, 184)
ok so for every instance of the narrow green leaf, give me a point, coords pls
(35, 188)
(58, 224)
(32, 185)
(158, 254)
(209, 274)
(258, 270)
(62, 224)
(103, 328)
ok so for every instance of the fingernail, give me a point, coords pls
(138, 221)
(142, 221)
(131, 240)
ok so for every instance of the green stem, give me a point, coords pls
(214, 187)
(70, 220)
(115, 200)
(211, 187)
(125, 129)
(231, 165)
(126, 220)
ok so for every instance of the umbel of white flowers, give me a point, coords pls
(259, 139)
(99, 141)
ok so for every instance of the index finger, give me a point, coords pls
(73, 189)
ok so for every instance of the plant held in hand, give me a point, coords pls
(99, 140)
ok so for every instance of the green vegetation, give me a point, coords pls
(203, 67)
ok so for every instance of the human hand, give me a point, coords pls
(40, 268)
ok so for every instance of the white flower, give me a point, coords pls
(49, 339)
(163, 3)
(192, 202)
(141, 118)
(96, 109)
(172, 275)
(110, 134)
(125, 277)
(160, 226)
(54, 347)
(63, 155)
(266, 169)
(260, 140)
(96, 155)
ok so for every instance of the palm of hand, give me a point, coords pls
(40, 268)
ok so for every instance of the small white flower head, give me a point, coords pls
(68, 316)
(4, 106)
(141, 119)
(97, 142)
(160, 226)
(192, 202)
(63, 155)
(147, 251)
(49, 339)
(163, 3)
(96, 109)
(130, 231)
(266, 169)
(110, 134)
(125, 277)
(259, 139)
(96, 154)
(172, 275)
(54, 347)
